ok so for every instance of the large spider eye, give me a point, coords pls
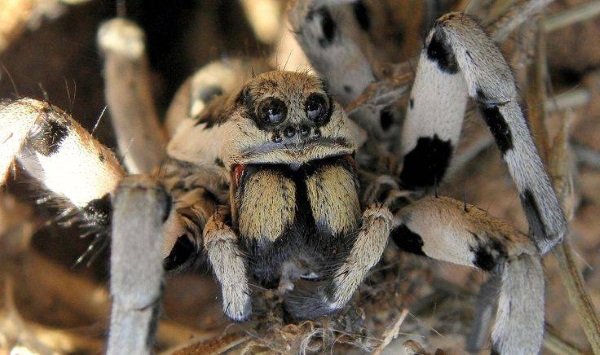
(273, 111)
(316, 108)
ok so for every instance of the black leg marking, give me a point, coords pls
(411, 103)
(98, 212)
(48, 136)
(362, 15)
(408, 240)
(484, 260)
(488, 256)
(498, 127)
(440, 51)
(533, 214)
(328, 26)
(427, 162)
(208, 93)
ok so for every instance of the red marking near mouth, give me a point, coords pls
(237, 172)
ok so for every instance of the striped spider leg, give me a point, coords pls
(83, 176)
(165, 213)
(458, 61)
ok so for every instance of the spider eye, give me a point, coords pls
(273, 111)
(316, 108)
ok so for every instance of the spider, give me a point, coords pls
(267, 179)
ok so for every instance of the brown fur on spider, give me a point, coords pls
(263, 178)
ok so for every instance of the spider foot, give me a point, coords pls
(229, 267)
(122, 37)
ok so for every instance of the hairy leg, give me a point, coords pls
(449, 230)
(229, 265)
(136, 269)
(458, 60)
(334, 36)
(140, 136)
(365, 253)
(59, 153)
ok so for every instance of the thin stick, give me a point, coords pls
(570, 99)
(391, 332)
(578, 296)
(573, 15)
(536, 91)
(516, 15)
(554, 343)
(569, 272)
(556, 159)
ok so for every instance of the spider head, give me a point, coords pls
(287, 118)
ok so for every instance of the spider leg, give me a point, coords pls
(329, 33)
(140, 136)
(228, 264)
(446, 229)
(365, 253)
(59, 153)
(214, 79)
(332, 52)
(485, 310)
(141, 206)
(459, 59)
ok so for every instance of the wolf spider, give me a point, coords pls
(267, 179)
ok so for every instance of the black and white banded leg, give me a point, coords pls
(449, 230)
(212, 80)
(64, 157)
(334, 35)
(458, 60)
